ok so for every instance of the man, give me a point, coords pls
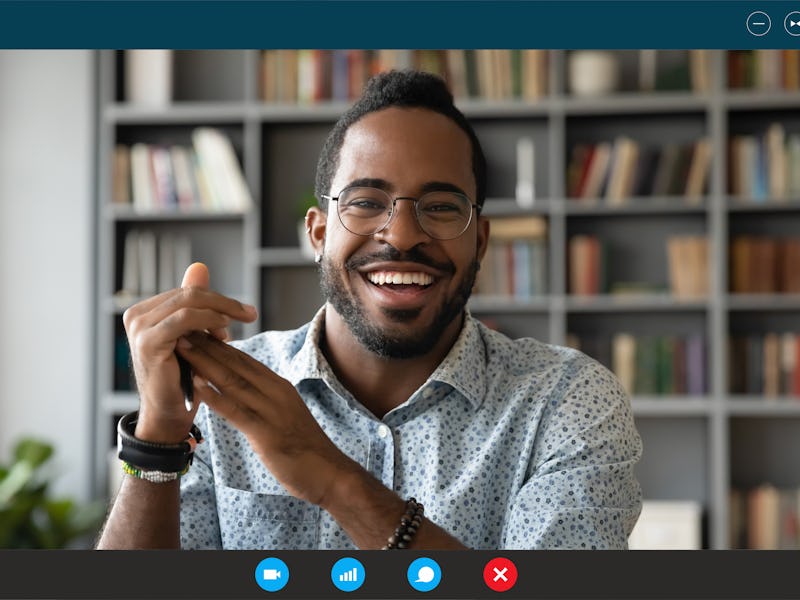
(322, 437)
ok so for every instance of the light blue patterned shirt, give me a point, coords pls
(511, 444)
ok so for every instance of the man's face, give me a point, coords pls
(406, 152)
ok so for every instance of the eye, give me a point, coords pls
(442, 207)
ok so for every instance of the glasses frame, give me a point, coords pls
(473, 208)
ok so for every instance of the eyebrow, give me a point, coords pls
(430, 186)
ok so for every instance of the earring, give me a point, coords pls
(317, 258)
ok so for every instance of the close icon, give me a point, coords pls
(500, 574)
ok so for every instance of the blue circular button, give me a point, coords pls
(348, 574)
(272, 574)
(424, 574)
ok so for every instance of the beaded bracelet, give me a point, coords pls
(409, 525)
(153, 476)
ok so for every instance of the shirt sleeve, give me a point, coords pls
(581, 492)
(199, 519)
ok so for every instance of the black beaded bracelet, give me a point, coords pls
(409, 525)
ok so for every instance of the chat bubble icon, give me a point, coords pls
(425, 575)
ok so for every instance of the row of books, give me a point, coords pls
(764, 69)
(650, 365)
(152, 262)
(765, 166)
(515, 264)
(622, 169)
(765, 517)
(765, 365)
(764, 265)
(205, 176)
(310, 76)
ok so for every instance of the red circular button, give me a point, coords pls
(500, 574)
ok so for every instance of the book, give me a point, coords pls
(776, 161)
(121, 175)
(185, 184)
(622, 170)
(597, 169)
(525, 191)
(623, 347)
(762, 517)
(163, 176)
(771, 365)
(510, 228)
(695, 365)
(142, 184)
(130, 265)
(699, 168)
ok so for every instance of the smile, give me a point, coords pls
(400, 278)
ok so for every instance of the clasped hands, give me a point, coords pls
(265, 407)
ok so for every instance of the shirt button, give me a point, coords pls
(383, 431)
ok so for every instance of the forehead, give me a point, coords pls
(406, 147)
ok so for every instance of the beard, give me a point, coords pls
(394, 343)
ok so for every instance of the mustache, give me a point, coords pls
(392, 254)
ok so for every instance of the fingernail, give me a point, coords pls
(198, 381)
(183, 343)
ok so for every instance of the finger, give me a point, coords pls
(222, 334)
(244, 365)
(196, 275)
(182, 322)
(241, 416)
(199, 298)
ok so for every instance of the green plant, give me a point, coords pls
(29, 517)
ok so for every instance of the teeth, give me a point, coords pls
(384, 277)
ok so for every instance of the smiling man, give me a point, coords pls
(393, 419)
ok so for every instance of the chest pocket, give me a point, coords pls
(253, 521)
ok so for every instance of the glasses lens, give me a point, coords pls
(444, 215)
(364, 210)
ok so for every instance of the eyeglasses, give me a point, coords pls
(367, 210)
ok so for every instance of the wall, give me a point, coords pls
(46, 231)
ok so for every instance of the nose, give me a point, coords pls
(403, 230)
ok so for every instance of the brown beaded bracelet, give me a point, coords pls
(409, 525)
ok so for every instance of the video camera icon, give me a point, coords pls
(272, 574)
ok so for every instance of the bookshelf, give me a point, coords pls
(698, 446)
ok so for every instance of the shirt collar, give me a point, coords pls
(308, 362)
(463, 368)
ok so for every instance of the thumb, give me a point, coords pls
(196, 275)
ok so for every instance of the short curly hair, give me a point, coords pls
(404, 88)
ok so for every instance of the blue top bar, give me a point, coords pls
(660, 24)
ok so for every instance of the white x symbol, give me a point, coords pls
(500, 574)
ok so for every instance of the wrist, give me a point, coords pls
(147, 456)
(162, 429)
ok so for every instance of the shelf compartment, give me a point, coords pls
(613, 303)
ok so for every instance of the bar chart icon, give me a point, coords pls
(348, 574)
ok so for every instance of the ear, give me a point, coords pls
(483, 237)
(316, 224)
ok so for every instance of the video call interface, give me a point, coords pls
(590, 144)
